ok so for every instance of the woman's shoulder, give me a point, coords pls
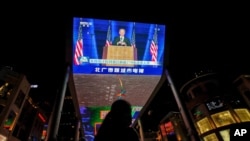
(133, 134)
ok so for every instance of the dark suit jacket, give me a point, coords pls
(117, 39)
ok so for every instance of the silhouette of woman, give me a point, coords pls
(116, 125)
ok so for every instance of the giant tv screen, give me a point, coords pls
(107, 68)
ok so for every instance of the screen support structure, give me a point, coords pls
(181, 108)
(57, 110)
(141, 130)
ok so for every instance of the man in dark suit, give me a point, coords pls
(121, 40)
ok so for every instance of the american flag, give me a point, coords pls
(108, 39)
(78, 47)
(133, 37)
(154, 46)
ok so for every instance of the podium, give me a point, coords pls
(122, 56)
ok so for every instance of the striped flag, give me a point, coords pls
(79, 47)
(154, 46)
(108, 39)
(133, 36)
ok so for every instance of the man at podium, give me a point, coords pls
(120, 50)
(121, 40)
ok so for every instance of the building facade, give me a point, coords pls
(14, 89)
(31, 125)
(214, 105)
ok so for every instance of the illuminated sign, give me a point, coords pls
(169, 128)
(214, 104)
(41, 117)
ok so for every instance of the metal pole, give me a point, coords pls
(180, 106)
(58, 108)
(141, 130)
(50, 122)
(77, 130)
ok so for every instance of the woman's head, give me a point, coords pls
(121, 112)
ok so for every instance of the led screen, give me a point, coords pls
(107, 67)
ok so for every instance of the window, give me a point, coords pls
(225, 134)
(243, 114)
(19, 99)
(197, 91)
(223, 118)
(212, 88)
(189, 97)
(211, 137)
(204, 125)
(198, 111)
(237, 102)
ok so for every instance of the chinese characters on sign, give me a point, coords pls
(118, 70)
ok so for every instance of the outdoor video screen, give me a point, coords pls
(115, 60)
